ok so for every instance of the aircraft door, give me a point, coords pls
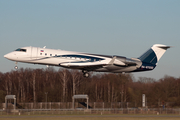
(34, 51)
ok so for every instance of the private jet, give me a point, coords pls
(88, 62)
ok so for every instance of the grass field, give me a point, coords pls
(90, 117)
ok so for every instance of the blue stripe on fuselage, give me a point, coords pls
(145, 67)
(89, 58)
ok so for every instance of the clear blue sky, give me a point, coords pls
(111, 27)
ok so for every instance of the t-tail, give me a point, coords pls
(151, 57)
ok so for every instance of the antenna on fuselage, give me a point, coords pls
(44, 47)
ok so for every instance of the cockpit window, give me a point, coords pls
(22, 50)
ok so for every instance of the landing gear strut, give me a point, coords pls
(16, 67)
(85, 73)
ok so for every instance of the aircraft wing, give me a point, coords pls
(84, 66)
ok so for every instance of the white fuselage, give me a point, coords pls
(68, 59)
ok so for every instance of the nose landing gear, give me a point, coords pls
(16, 67)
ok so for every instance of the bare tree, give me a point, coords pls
(34, 85)
(64, 78)
(76, 79)
(5, 85)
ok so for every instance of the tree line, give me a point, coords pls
(34, 85)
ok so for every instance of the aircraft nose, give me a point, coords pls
(6, 56)
(10, 56)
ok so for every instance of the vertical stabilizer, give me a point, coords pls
(154, 54)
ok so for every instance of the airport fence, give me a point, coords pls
(68, 105)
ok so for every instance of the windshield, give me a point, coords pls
(19, 49)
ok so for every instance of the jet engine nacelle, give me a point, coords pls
(123, 61)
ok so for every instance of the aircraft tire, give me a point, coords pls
(16, 67)
(86, 75)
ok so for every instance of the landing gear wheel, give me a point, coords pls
(86, 75)
(16, 67)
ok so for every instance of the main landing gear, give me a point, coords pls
(85, 73)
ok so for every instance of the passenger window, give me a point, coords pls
(45, 53)
(55, 55)
(50, 54)
(40, 53)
